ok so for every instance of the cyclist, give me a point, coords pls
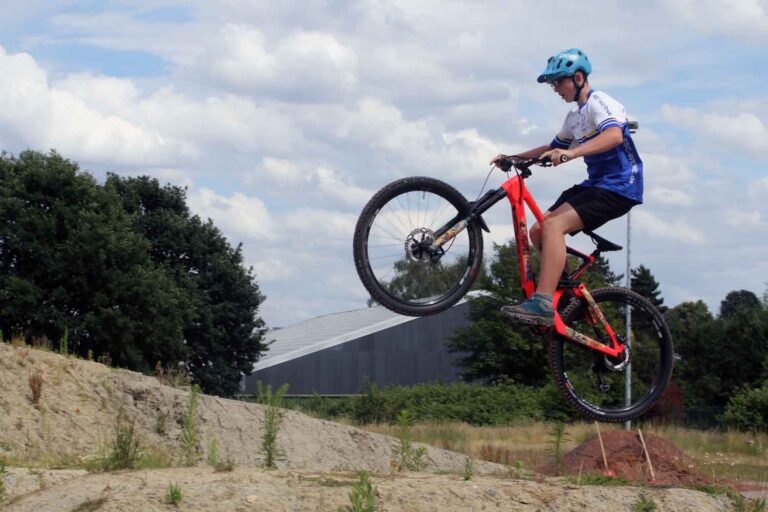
(597, 130)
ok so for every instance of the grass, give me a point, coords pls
(190, 431)
(273, 416)
(173, 495)
(362, 497)
(408, 456)
(726, 454)
(644, 504)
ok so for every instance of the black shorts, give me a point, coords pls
(595, 205)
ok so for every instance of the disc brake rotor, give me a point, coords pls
(417, 244)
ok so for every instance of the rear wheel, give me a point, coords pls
(392, 247)
(596, 384)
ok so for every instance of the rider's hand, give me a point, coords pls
(501, 159)
(555, 155)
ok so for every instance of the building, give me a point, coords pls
(336, 354)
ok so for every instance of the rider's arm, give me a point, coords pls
(608, 139)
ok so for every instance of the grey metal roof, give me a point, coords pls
(326, 331)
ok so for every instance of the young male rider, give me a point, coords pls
(597, 129)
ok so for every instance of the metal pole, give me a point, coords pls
(628, 370)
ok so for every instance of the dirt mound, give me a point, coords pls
(76, 415)
(626, 459)
(80, 402)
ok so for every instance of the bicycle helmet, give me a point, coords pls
(565, 64)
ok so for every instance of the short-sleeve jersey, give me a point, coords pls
(619, 169)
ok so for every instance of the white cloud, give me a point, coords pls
(667, 196)
(743, 19)
(677, 229)
(745, 219)
(237, 215)
(301, 65)
(44, 115)
(743, 132)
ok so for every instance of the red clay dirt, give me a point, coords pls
(625, 457)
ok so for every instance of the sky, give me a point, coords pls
(283, 118)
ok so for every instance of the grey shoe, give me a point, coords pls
(534, 311)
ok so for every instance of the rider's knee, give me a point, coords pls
(554, 224)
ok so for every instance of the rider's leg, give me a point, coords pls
(535, 235)
(553, 256)
(538, 309)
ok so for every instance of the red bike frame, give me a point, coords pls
(519, 197)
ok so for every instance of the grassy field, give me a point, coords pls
(732, 455)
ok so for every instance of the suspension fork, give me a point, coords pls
(460, 222)
(594, 316)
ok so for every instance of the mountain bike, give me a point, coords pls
(418, 248)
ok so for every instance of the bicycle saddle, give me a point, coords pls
(602, 244)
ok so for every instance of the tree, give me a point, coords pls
(643, 282)
(71, 262)
(739, 302)
(224, 335)
(125, 271)
(491, 348)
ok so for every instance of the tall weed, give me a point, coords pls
(273, 416)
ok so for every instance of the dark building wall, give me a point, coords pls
(406, 354)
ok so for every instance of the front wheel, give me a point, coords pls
(392, 249)
(597, 385)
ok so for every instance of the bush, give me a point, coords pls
(748, 409)
(476, 404)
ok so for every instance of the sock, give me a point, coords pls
(543, 298)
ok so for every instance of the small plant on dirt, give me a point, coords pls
(36, 381)
(173, 495)
(176, 377)
(190, 432)
(644, 504)
(213, 452)
(557, 437)
(161, 423)
(597, 479)
(2, 481)
(741, 504)
(273, 416)
(407, 455)
(469, 468)
(362, 496)
(126, 447)
(64, 343)
(225, 466)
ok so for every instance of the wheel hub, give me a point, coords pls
(614, 364)
(417, 245)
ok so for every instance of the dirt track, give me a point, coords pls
(76, 417)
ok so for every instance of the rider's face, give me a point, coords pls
(565, 88)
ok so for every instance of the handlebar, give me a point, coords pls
(523, 165)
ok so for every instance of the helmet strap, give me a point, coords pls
(578, 88)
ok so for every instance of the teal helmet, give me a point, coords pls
(565, 64)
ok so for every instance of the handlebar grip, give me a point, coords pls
(563, 159)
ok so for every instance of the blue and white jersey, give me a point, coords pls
(619, 169)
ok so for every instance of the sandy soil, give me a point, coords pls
(76, 416)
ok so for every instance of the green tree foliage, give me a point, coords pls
(644, 283)
(224, 336)
(738, 303)
(122, 270)
(748, 409)
(718, 355)
(492, 349)
(70, 261)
